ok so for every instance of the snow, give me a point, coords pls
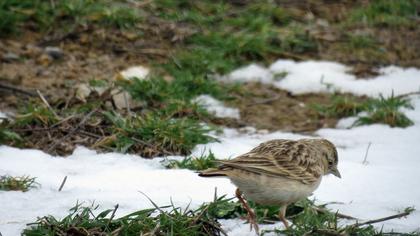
(216, 107)
(139, 72)
(250, 73)
(323, 76)
(385, 185)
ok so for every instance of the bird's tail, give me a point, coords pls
(213, 172)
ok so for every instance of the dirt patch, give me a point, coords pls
(267, 107)
(90, 52)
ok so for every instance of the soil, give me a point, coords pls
(96, 53)
(267, 107)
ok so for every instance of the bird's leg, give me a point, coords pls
(282, 216)
(251, 215)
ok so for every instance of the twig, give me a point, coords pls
(154, 231)
(264, 101)
(396, 216)
(71, 131)
(16, 90)
(127, 104)
(293, 56)
(113, 214)
(408, 94)
(366, 154)
(339, 215)
(92, 135)
(47, 104)
(52, 3)
(62, 121)
(62, 183)
(140, 4)
(150, 145)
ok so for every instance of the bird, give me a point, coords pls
(278, 172)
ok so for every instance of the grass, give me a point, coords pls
(174, 127)
(166, 220)
(8, 136)
(21, 183)
(340, 106)
(376, 110)
(157, 135)
(46, 15)
(194, 163)
(361, 41)
(386, 111)
(35, 113)
(172, 220)
(229, 37)
(386, 13)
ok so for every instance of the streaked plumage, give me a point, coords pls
(280, 172)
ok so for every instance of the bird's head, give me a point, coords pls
(331, 157)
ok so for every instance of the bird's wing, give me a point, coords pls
(291, 159)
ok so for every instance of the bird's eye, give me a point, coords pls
(330, 163)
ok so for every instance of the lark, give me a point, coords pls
(278, 172)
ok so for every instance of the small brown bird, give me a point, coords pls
(278, 172)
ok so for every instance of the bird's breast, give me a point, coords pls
(269, 190)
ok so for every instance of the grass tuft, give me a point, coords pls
(35, 113)
(172, 220)
(157, 135)
(340, 106)
(22, 183)
(376, 110)
(44, 15)
(194, 163)
(168, 220)
(386, 13)
(386, 111)
(7, 136)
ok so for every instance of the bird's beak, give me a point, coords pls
(336, 172)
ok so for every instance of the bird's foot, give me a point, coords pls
(252, 218)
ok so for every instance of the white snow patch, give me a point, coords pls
(250, 73)
(323, 76)
(241, 228)
(107, 179)
(139, 72)
(2, 116)
(216, 107)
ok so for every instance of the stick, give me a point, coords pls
(264, 101)
(16, 90)
(150, 145)
(47, 104)
(71, 131)
(339, 215)
(366, 154)
(127, 104)
(408, 94)
(62, 183)
(113, 214)
(405, 213)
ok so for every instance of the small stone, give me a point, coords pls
(122, 98)
(44, 60)
(55, 52)
(82, 92)
(322, 23)
(168, 78)
(10, 57)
